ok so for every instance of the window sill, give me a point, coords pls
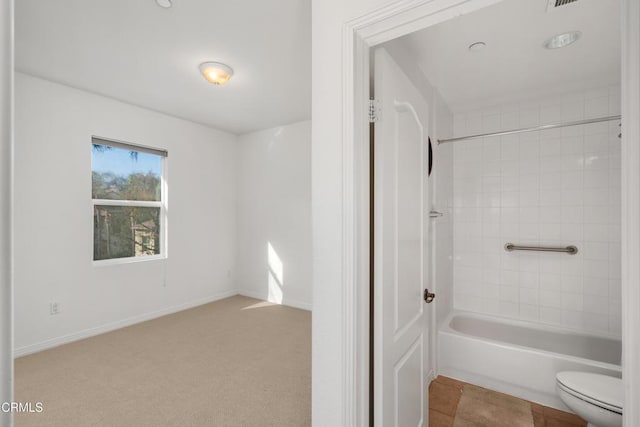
(130, 260)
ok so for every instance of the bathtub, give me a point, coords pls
(520, 358)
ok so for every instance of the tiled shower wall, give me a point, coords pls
(552, 187)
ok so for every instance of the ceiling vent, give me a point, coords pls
(553, 4)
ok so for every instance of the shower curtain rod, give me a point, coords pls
(532, 129)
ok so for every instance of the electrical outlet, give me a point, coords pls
(54, 308)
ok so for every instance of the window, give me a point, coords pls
(128, 194)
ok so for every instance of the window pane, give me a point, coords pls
(123, 231)
(121, 174)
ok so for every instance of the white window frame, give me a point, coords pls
(162, 203)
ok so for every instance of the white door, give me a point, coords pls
(400, 249)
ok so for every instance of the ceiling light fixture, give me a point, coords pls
(474, 47)
(562, 40)
(216, 72)
(164, 3)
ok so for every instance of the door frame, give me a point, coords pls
(394, 20)
(6, 206)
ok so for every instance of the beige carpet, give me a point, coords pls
(234, 362)
(480, 407)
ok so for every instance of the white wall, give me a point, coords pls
(54, 224)
(6, 102)
(630, 210)
(442, 178)
(274, 215)
(328, 19)
(554, 187)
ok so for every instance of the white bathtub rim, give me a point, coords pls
(444, 324)
(532, 350)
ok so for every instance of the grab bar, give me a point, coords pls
(571, 250)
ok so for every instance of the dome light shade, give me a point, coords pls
(562, 40)
(216, 72)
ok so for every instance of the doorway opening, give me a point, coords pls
(528, 154)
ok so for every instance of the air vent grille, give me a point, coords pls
(555, 4)
(559, 3)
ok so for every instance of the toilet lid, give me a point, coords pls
(601, 390)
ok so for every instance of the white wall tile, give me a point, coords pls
(596, 322)
(596, 143)
(596, 304)
(529, 214)
(572, 265)
(551, 282)
(572, 180)
(615, 290)
(529, 296)
(491, 261)
(551, 232)
(572, 162)
(572, 319)
(550, 299)
(597, 197)
(572, 232)
(572, 145)
(527, 279)
(553, 187)
(509, 309)
(509, 278)
(571, 301)
(491, 306)
(573, 284)
(491, 276)
(551, 315)
(595, 286)
(509, 231)
(615, 324)
(509, 147)
(551, 196)
(597, 233)
(595, 250)
(529, 312)
(597, 161)
(509, 294)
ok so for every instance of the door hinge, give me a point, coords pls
(374, 111)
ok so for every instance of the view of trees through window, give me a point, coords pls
(126, 192)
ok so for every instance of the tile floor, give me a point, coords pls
(486, 408)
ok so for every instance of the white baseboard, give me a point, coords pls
(285, 301)
(431, 375)
(65, 339)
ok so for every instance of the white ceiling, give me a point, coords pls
(140, 53)
(514, 65)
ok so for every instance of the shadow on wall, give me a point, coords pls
(275, 283)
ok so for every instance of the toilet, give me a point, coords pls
(594, 397)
